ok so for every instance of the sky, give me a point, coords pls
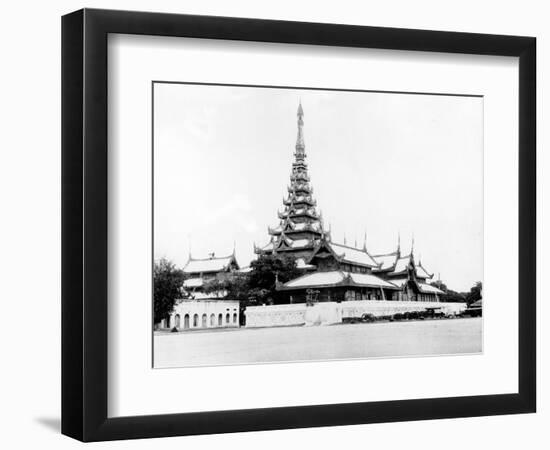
(380, 163)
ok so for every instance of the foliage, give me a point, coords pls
(267, 270)
(439, 285)
(234, 286)
(259, 285)
(168, 283)
(453, 296)
(475, 293)
(449, 295)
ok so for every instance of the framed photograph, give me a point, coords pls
(273, 224)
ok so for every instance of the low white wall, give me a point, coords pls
(325, 313)
(387, 308)
(275, 315)
(295, 314)
(218, 314)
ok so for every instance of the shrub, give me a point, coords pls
(368, 318)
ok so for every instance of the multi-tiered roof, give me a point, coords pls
(300, 225)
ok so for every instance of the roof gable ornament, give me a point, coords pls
(398, 244)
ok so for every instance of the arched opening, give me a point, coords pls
(177, 318)
(212, 320)
(220, 319)
(186, 322)
(196, 320)
(235, 318)
(204, 325)
(227, 318)
(167, 320)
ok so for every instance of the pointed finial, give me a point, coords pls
(234, 246)
(300, 146)
(355, 244)
(399, 241)
(345, 243)
(412, 244)
(365, 241)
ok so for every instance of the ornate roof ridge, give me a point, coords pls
(211, 258)
(351, 247)
(394, 253)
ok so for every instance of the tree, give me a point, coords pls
(475, 293)
(259, 285)
(449, 295)
(439, 285)
(266, 271)
(235, 286)
(168, 283)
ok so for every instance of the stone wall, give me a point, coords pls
(275, 315)
(378, 308)
(324, 313)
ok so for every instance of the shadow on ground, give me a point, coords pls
(52, 423)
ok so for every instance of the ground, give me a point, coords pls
(260, 345)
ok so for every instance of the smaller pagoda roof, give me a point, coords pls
(336, 278)
(421, 272)
(211, 264)
(386, 261)
(353, 255)
(193, 283)
(399, 282)
(396, 264)
(266, 248)
(204, 296)
(299, 243)
(429, 289)
(292, 211)
(296, 227)
(295, 198)
(402, 263)
(301, 264)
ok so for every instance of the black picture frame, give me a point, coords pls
(84, 224)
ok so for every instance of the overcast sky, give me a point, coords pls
(383, 163)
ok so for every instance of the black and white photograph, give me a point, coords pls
(275, 225)
(294, 224)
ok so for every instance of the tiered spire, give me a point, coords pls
(300, 145)
(300, 224)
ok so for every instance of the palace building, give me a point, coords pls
(199, 309)
(334, 271)
(201, 271)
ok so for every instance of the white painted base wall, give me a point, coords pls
(201, 314)
(330, 312)
(275, 315)
(387, 308)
